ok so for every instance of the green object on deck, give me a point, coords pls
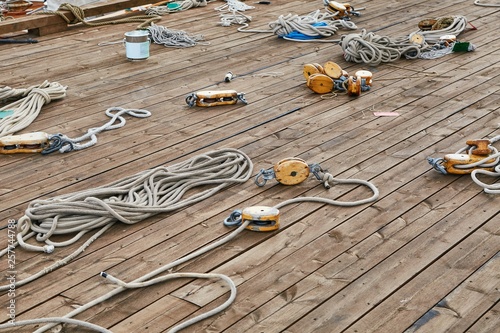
(463, 47)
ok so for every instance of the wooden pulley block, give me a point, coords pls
(426, 25)
(291, 171)
(452, 163)
(336, 6)
(333, 70)
(314, 68)
(261, 218)
(365, 75)
(320, 83)
(417, 39)
(482, 147)
(353, 86)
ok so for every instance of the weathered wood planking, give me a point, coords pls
(421, 238)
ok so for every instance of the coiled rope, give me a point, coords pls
(138, 197)
(372, 49)
(28, 104)
(315, 24)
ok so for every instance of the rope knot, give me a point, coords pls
(43, 93)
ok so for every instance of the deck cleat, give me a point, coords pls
(35, 142)
(215, 98)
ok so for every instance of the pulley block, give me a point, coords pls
(314, 68)
(291, 171)
(333, 70)
(461, 164)
(215, 98)
(320, 83)
(24, 143)
(261, 218)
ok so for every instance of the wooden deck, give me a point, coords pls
(424, 257)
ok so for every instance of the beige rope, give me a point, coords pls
(369, 48)
(28, 106)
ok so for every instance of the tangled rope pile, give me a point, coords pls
(172, 38)
(28, 104)
(132, 199)
(231, 13)
(314, 25)
(372, 49)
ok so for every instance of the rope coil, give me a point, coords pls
(28, 106)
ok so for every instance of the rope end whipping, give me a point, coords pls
(48, 248)
(103, 274)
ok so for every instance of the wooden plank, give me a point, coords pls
(466, 303)
(40, 22)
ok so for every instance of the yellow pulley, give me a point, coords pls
(320, 83)
(333, 70)
(261, 218)
(214, 98)
(353, 86)
(291, 171)
(314, 68)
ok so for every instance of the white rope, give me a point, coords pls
(135, 198)
(314, 25)
(28, 105)
(91, 138)
(172, 38)
(231, 13)
(372, 49)
(477, 3)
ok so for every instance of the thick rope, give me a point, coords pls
(28, 104)
(90, 138)
(231, 13)
(315, 25)
(79, 16)
(172, 38)
(477, 3)
(372, 49)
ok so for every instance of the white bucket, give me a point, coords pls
(137, 44)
